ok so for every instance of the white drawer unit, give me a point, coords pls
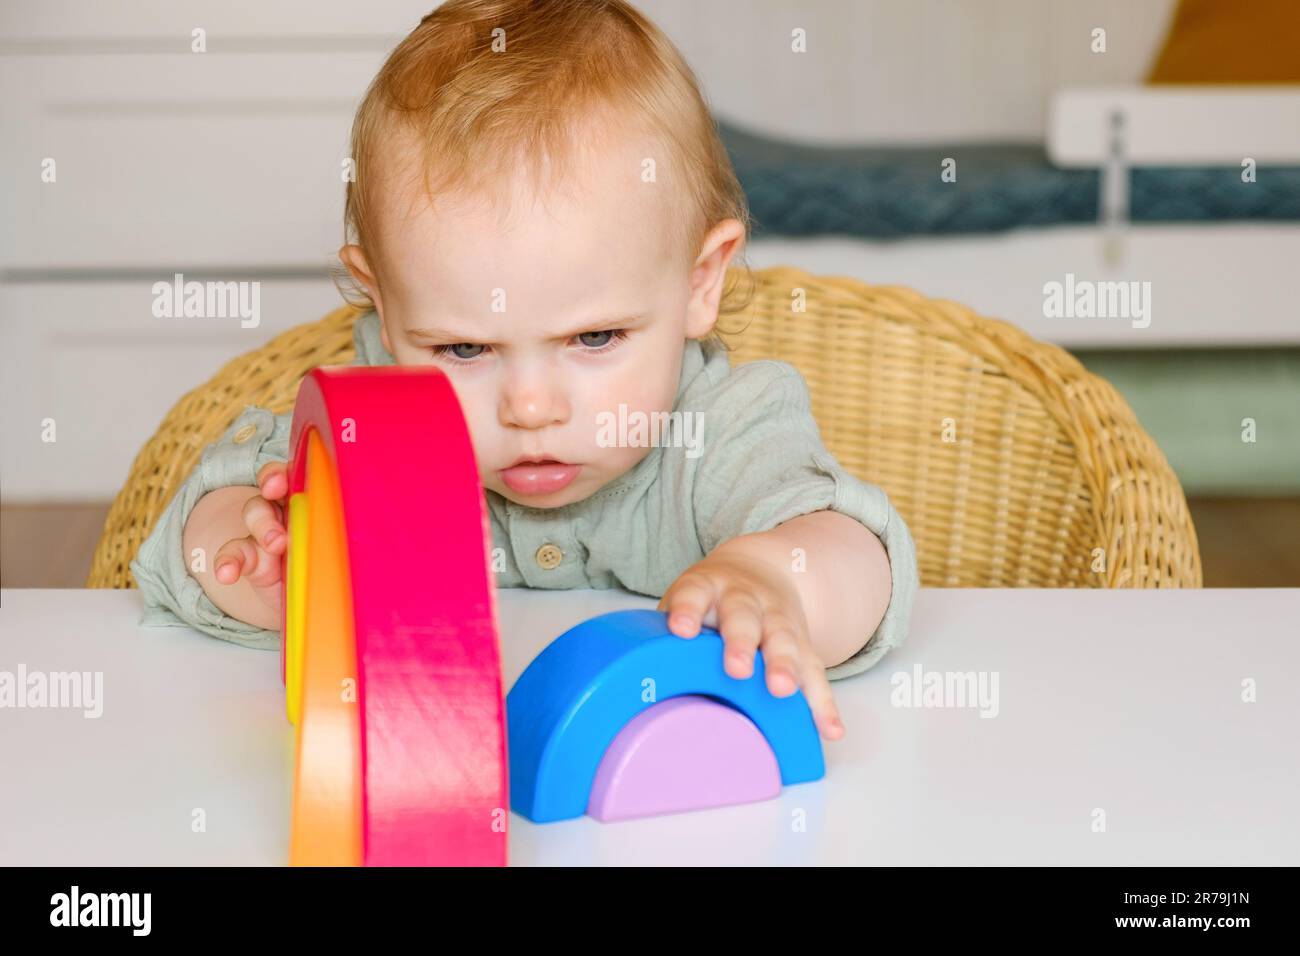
(223, 166)
(92, 358)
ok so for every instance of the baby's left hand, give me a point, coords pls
(754, 607)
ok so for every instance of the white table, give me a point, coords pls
(1127, 701)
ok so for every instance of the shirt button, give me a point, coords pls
(549, 556)
(245, 433)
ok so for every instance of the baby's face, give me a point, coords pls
(573, 307)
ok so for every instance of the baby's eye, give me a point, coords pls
(594, 342)
(602, 341)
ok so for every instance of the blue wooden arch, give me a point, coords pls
(567, 707)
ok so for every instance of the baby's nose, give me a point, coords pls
(533, 406)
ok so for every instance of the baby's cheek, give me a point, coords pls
(482, 425)
(643, 388)
(621, 428)
(621, 459)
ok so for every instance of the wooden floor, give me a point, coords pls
(1245, 542)
(1248, 542)
(48, 546)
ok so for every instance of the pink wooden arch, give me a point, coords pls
(432, 717)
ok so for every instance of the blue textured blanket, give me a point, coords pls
(896, 192)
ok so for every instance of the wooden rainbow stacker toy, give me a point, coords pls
(391, 660)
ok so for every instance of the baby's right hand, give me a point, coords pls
(257, 556)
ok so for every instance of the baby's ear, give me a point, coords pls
(354, 259)
(709, 276)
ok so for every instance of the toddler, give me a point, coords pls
(542, 209)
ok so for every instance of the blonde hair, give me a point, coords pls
(489, 86)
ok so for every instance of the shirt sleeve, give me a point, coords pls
(765, 464)
(172, 598)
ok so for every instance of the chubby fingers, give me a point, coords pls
(791, 664)
(789, 661)
(740, 622)
(783, 654)
(265, 522)
(821, 699)
(273, 480)
(687, 602)
(241, 557)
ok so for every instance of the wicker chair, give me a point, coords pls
(1009, 461)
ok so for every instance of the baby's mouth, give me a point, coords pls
(527, 477)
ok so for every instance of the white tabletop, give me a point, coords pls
(1127, 702)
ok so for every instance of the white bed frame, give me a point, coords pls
(1223, 284)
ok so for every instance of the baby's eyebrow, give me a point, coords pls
(435, 334)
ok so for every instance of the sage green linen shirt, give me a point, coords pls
(763, 463)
